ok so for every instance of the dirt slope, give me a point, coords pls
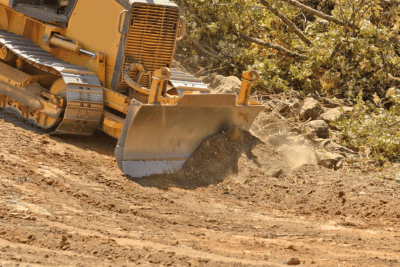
(63, 202)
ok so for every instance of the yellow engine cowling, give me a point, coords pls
(121, 31)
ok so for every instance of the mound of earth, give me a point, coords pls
(230, 154)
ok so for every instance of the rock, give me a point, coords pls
(339, 149)
(292, 261)
(275, 172)
(278, 105)
(29, 218)
(310, 109)
(24, 240)
(294, 93)
(194, 263)
(290, 105)
(283, 108)
(64, 244)
(49, 181)
(226, 85)
(330, 103)
(334, 113)
(94, 252)
(320, 127)
(294, 103)
(290, 247)
(328, 159)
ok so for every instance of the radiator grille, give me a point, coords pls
(151, 39)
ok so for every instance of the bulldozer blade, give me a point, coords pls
(159, 139)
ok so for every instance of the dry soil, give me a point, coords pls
(238, 202)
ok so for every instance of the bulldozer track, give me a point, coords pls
(84, 93)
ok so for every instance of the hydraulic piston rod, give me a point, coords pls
(70, 45)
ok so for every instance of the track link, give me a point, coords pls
(84, 93)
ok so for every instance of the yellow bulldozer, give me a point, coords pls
(74, 66)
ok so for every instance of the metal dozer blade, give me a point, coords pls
(158, 137)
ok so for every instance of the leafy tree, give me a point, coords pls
(331, 47)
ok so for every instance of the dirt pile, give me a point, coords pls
(232, 153)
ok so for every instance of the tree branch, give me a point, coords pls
(273, 46)
(319, 14)
(193, 41)
(290, 24)
(197, 44)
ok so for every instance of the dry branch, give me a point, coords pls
(273, 46)
(193, 41)
(290, 24)
(319, 14)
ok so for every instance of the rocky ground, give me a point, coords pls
(287, 197)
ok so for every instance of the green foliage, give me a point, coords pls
(362, 62)
(373, 130)
(342, 62)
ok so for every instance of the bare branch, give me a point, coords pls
(391, 124)
(290, 24)
(319, 14)
(197, 44)
(273, 46)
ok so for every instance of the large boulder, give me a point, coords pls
(310, 109)
(334, 113)
(319, 127)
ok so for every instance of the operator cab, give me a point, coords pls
(51, 11)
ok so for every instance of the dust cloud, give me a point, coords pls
(295, 149)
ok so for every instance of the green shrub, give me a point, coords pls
(342, 62)
(373, 130)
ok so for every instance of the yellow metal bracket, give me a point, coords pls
(157, 85)
(248, 78)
